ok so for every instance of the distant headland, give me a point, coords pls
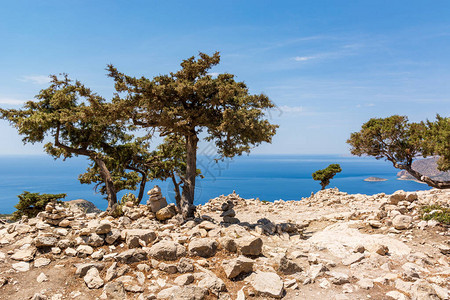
(427, 167)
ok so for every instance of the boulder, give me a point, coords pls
(213, 283)
(249, 245)
(184, 279)
(132, 256)
(287, 266)
(24, 254)
(84, 267)
(166, 212)
(401, 222)
(92, 279)
(21, 266)
(138, 237)
(185, 265)
(396, 197)
(114, 291)
(234, 267)
(203, 247)
(42, 241)
(167, 250)
(268, 284)
(81, 205)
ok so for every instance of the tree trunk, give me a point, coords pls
(142, 187)
(177, 191)
(109, 184)
(187, 198)
(431, 182)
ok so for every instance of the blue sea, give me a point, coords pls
(267, 177)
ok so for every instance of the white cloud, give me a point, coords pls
(36, 79)
(291, 109)
(304, 58)
(213, 74)
(10, 101)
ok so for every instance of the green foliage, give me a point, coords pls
(129, 197)
(435, 212)
(30, 204)
(400, 141)
(325, 175)
(190, 101)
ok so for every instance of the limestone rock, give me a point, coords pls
(184, 279)
(41, 278)
(132, 256)
(203, 247)
(92, 279)
(21, 266)
(213, 283)
(24, 254)
(249, 245)
(401, 222)
(113, 291)
(287, 266)
(83, 268)
(45, 241)
(166, 212)
(234, 267)
(138, 237)
(41, 262)
(167, 250)
(268, 284)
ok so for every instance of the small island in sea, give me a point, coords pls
(375, 179)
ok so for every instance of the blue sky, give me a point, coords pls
(329, 66)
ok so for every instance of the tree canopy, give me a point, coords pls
(79, 122)
(325, 175)
(191, 101)
(400, 142)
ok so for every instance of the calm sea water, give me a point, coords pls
(268, 177)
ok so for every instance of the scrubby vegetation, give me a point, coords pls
(436, 212)
(30, 204)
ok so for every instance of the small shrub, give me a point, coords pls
(436, 212)
(117, 209)
(325, 175)
(30, 204)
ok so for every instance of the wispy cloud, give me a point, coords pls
(10, 101)
(304, 58)
(291, 109)
(36, 79)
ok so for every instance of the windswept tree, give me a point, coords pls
(78, 123)
(400, 142)
(189, 102)
(325, 175)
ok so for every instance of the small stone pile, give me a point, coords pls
(54, 214)
(228, 214)
(156, 200)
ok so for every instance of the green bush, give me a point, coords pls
(325, 175)
(117, 209)
(30, 204)
(436, 212)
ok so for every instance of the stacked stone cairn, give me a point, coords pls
(228, 214)
(158, 204)
(156, 200)
(55, 214)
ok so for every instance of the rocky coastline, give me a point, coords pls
(332, 245)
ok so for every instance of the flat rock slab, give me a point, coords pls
(268, 284)
(340, 239)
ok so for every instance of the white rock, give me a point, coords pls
(21, 266)
(268, 284)
(41, 278)
(92, 279)
(41, 262)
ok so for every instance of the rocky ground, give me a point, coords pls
(329, 246)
